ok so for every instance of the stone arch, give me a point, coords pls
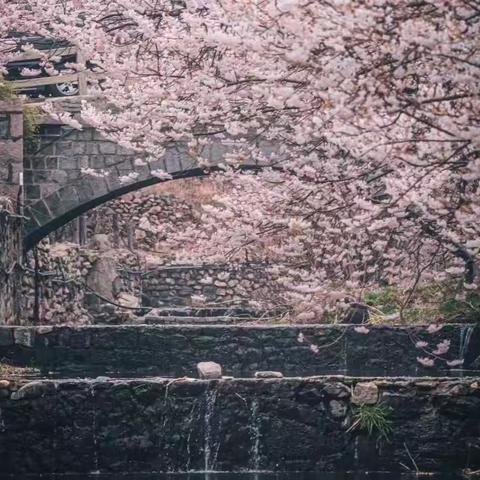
(56, 212)
(58, 189)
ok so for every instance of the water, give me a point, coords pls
(255, 436)
(237, 476)
(465, 336)
(211, 446)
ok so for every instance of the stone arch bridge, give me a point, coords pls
(57, 189)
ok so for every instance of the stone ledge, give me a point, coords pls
(174, 350)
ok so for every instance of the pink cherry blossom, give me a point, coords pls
(367, 110)
(425, 361)
(362, 329)
(455, 363)
(442, 347)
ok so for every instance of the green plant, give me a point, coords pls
(387, 300)
(31, 121)
(374, 420)
(6, 90)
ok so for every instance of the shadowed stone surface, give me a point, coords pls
(175, 350)
(294, 424)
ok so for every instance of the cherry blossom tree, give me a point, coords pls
(373, 109)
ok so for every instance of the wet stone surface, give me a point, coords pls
(146, 425)
(175, 350)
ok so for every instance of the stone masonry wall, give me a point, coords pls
(10, 266)
(156, 425)
(146, 219)
(61, 155)
(206, 284)
(174, 351)
(11, 147)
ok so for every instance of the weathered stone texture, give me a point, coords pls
(58, 186)
(11, 147)
(178, 285)
(241, 350)
(157, 425)
(10, 267)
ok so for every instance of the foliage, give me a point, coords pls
(6, 91)
(31, 117)
(374, 420)
(371, 109)
(436, 301)
(11, 370)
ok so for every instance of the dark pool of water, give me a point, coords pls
(238, 476)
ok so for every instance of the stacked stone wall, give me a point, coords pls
(309, 424)
(139, 221)
(174, 350)
(220, 285)
(10, 266)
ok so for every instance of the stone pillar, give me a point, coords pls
(11, 148)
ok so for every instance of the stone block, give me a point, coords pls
(338, 409)
(365, 393)
(209, 370)
(268, 374)
(24, 336)
(6, 337)
(33, 390)
(107, 148)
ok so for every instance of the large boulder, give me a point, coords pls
(102, 276)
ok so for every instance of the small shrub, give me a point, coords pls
(31, 119)
(6, 90)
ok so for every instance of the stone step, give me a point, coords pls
(295, 350)
(187, 320)
(291, 424)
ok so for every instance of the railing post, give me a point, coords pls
(82, 74)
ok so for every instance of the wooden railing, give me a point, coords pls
(79, 78)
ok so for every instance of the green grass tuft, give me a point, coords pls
(374, 420)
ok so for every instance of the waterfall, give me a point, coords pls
(190, 423)
(94, 430)
(255, 437)
(2, 423)
(466, 332)
(210, 445)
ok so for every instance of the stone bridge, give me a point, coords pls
(58, 189)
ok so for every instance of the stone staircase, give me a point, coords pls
(124, 399)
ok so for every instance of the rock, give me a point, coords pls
(209, 370)
(338, 409)
(24, 336)
(100, 242)
(4, 384)
(33, 390)
(356, 314)
(6, 336)
(337, 389)
(268, 374)
(128, 300)
(101, 277)
(365, 393)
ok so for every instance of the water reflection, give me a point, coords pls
(237, 476)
